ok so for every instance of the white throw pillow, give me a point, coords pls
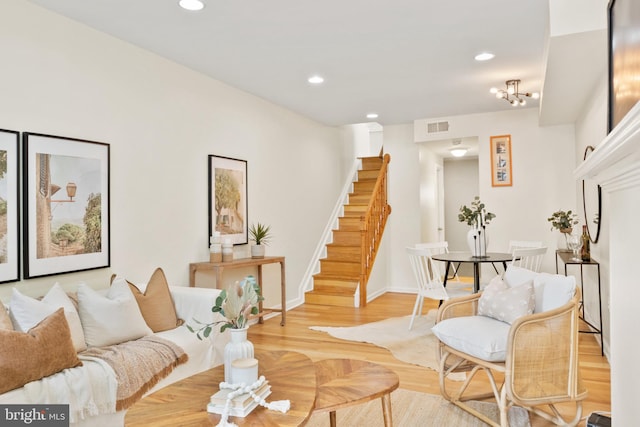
(112, 318)
(478, 336)
(27, 312)
(504, 303)
(552, 290)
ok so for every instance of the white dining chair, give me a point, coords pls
(529, 258)
(524, 244)
(429, 279)
(440, 248)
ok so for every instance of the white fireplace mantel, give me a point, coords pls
(615, 162)
(615, 165)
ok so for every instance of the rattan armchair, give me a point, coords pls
(540, 368)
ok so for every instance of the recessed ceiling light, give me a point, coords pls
(484, 56)
(316, 80)
(191, 4)
(372, 116)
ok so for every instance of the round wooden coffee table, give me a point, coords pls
(291, 375)
(346, 382)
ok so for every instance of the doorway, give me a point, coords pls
(446, 183)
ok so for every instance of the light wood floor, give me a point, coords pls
(297, 336)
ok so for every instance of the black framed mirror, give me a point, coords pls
(591, 203)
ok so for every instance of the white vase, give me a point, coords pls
(477, 240)
(257, 251)
(238, 347)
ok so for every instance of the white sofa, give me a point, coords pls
(190, 303)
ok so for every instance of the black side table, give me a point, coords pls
(567, 259)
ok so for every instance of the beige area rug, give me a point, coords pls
(410, 408)
(416, 346)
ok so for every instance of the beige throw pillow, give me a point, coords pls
(26, 312)
(44, 350)
(156, 303)
(112, 318)
(506, 304)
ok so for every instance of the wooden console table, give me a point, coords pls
(567, 259)
(219, 267)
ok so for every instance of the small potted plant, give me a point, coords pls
(261, 235)
(564, 222)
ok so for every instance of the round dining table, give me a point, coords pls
(467, 257)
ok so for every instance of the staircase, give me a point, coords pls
(351, 254)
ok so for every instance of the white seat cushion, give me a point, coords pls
(478, 336)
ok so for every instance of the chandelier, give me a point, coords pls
(512, 94)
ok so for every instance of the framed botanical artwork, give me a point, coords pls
(228, 199)
(9, 207)
(65, 205)
(501, 174)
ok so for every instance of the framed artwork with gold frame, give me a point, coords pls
(501, 172)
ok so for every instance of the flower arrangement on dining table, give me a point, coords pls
(478, 218)
(476, 215)
(236, 304)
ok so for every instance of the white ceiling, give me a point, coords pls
(404, 59)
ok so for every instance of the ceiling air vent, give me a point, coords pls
(437, 127)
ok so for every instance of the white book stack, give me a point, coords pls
(242, 405)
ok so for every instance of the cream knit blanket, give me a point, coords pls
(139, 365)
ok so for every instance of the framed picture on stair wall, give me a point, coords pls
(228, 199)
(501, 174)
(9, 209)
(65, 205)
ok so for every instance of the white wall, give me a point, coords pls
(161, 121)
(591, 128)
(543, 162)
(403, 226)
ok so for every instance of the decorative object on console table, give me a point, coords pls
(10, 230)
(563, 222)
(227, 251)
(478, 218)
(228, 198)
(236, 304)
(261, 235)
(215, 247)
(501, 175)
(585, 251)
(82, 241)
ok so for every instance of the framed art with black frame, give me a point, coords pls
(65, 205)
(228, 198)
(9, 206)
(624, 68)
